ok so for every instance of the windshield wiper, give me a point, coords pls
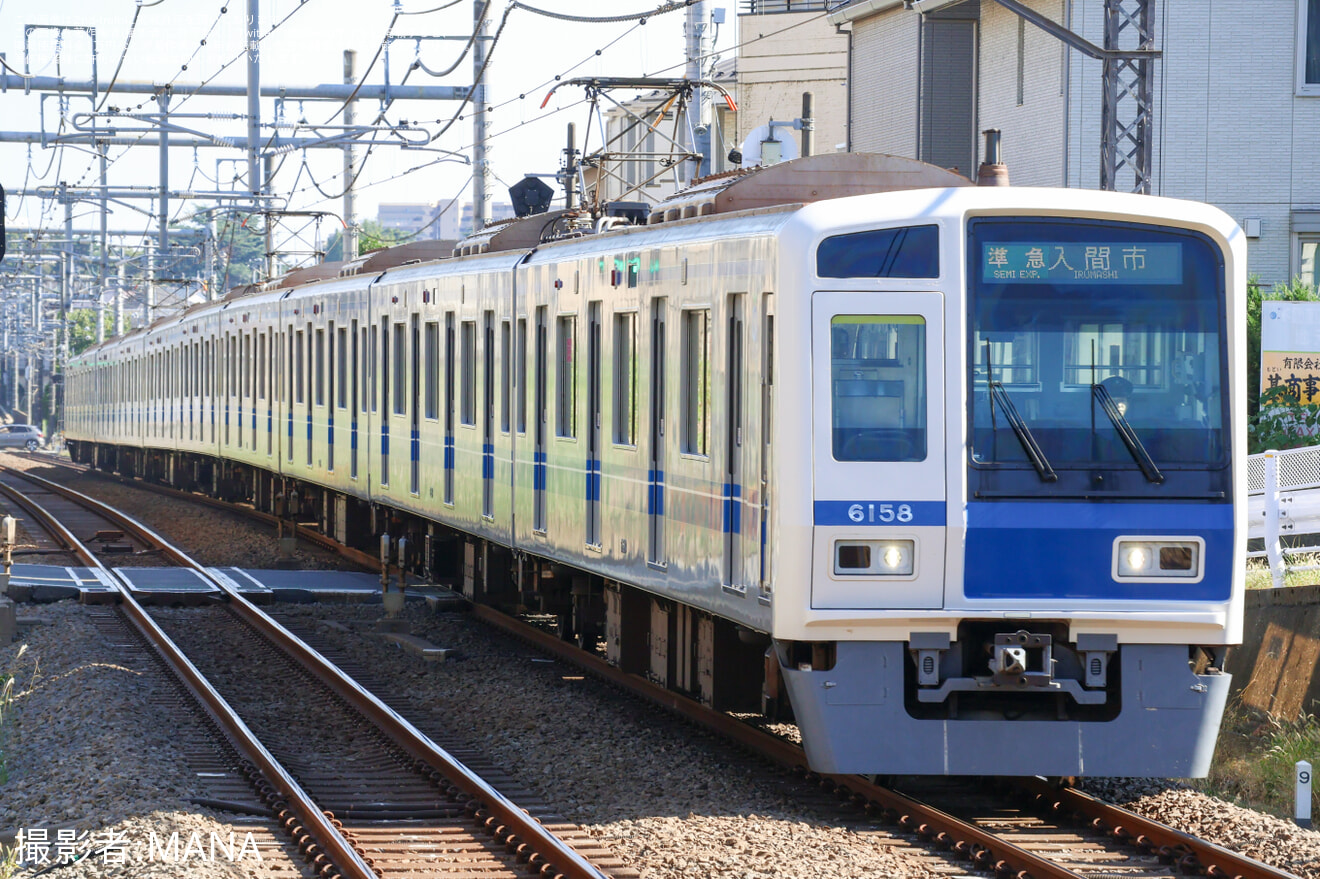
(1127, 434)
(1023, 433)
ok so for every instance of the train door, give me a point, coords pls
(294, 342)
(733, 474)
(879, 450)
(354, 406)
(415, 410)
(312, 366)
(488, 415)
(538, 453)
(449, 407)
(655, 491)
(767, 413)
(593, 424)
(331, 365)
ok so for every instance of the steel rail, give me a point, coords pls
(984, 848)
(550, 850)
(338, 850)
(1129, 826)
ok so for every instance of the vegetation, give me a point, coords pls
(371, 236)
(1255, 759)
(1277, 419)
(82, 329)
(7, 684)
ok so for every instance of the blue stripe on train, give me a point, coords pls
(1066, 550)
(732, 508)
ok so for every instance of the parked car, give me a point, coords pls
(23, 436)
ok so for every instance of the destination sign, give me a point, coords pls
(1107, 263)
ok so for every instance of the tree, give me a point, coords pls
(82, 329)
(371, 236)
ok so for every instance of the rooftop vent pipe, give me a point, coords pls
(993, 171)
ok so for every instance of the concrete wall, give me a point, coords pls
(801, 52)
(884, 84)
(1277, 668)
(1033, 130)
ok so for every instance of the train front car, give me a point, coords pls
(1018, 547)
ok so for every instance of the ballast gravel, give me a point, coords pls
(93, 768)
(1265, 838)
(664, 798)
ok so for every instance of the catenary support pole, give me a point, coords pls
(480, 100)
(350, 233)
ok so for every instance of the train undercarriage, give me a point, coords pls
(721, 664)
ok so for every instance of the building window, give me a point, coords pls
(1308, 47)
(1306, 270)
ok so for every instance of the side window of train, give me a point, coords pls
(625, 379)
(400, 376)
(695, 382)
(566, 378)
(905, 252)
(432, 369)
(878, 382)
(467, 389)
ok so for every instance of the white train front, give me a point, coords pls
(959, 470)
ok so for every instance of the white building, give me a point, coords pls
(1236, 102)
(407, 218)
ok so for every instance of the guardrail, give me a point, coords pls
(1283, 500)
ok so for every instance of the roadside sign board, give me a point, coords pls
(1290, 348)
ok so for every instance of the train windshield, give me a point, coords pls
(1096, 347)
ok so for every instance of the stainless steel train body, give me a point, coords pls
(892, 432)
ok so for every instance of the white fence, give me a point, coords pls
(1283, 500)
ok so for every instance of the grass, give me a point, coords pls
(7, 685)
(1255, 759)
(1258, 572)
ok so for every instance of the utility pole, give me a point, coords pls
(480, 100)
(696, 135)
(101, 151)
(350, 233)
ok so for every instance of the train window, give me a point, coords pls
(907, 252)
(566, 379)
(320, 367)
(1013, 355)
(522, 375)
(505, 331)
(298, 382)
(1134, 352)
(400, 359)
(342, 364)
(696, 380)
(878, 382)
(467, 388)
(432, 369)
(367, 373)
(625, 379)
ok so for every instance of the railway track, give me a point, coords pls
(1012, 828)
(390, 802)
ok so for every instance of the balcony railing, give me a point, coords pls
(775, 7)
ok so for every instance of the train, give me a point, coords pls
(953, 476)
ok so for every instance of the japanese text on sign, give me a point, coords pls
(1108, 263)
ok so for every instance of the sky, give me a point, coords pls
(302, 44)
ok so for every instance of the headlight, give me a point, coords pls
(1158, 558)
(875, 558)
